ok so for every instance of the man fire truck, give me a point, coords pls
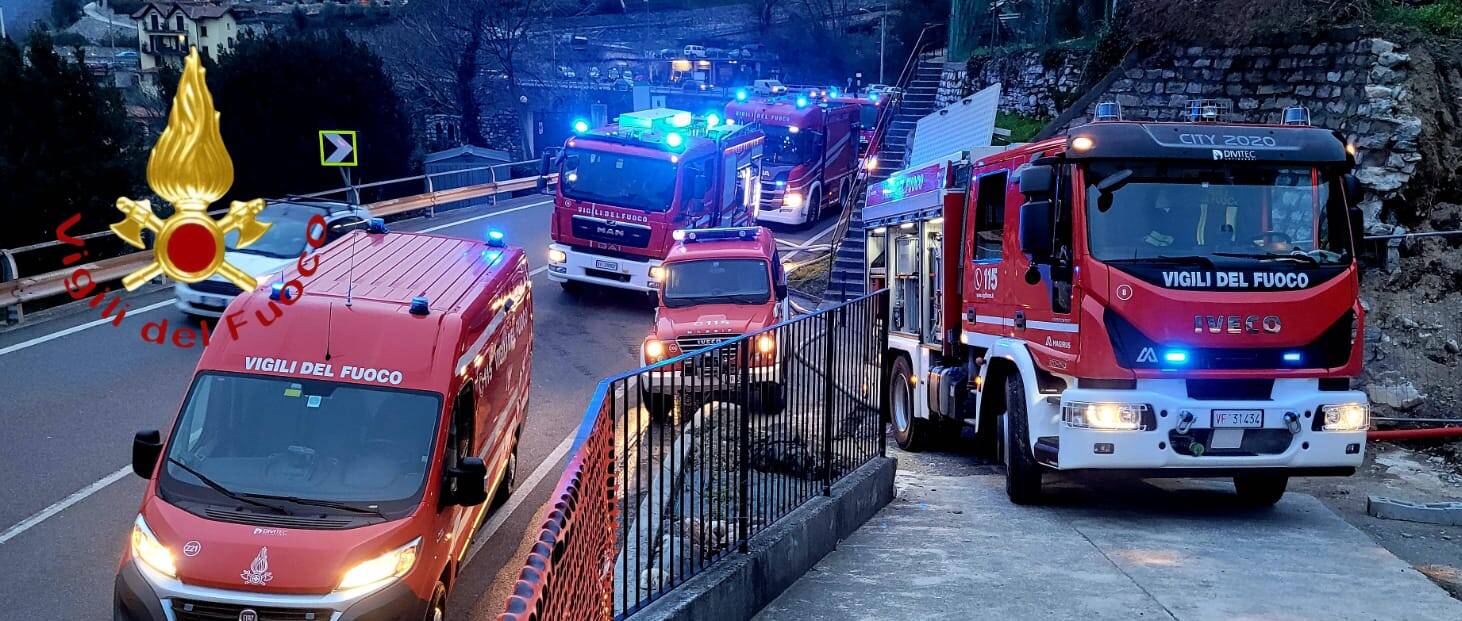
(811, 155)
(624, 188)
(332, 461)
(1174, 299)
(717, 284)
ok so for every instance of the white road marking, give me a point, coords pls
(78, 496)
(504, 512)
(486, 215)
(81, 494)
(818, 236)
(77, 328)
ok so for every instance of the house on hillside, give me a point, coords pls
(165, 31)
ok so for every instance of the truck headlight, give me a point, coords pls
(765, 344)
(1346, 417)
(1113, 416)
(792, 200)
(557, 256)
(146, 548)
(657, 273)
(654, 350)
(388, 566)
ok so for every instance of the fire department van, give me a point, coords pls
(1164, 298)
(333, 461)
(717, 284)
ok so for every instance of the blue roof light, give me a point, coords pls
(376, 226)
(496, 239)
(580, 126)
(801, 101)
(419, 305)
(278, 292)
(740, 94)
(674, 140)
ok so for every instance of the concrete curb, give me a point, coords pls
(1444, 513)
(742, 584)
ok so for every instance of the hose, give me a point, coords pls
(1414, 434)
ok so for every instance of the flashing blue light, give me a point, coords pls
(581, 126)
(1292, 356)
(376, 226)
(740, 94)
(873, 98)
(833, 92)
(419, 305)
(496, 239)
(674, 140)
(1175, 356)
(801, 101)
(277, 292)
(713, 120)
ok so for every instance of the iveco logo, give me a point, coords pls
(248, 614)
(1236, 324)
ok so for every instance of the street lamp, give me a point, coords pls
(882, 36)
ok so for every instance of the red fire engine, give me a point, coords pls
(811, 154)
(1176, 299)
(717, 284)
(624, 188)
(868, 109)
(334, 461)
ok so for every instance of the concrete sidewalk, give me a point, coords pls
(951, 546)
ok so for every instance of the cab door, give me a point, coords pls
(987, 312)
(1044, 314)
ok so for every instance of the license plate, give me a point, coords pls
(1238, 419)
(606, 265)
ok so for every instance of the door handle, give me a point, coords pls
(1019, 320)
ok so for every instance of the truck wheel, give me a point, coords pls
(1022, 473)
(767, 398)
(657, 404)
(908, 430)
(814, 206)
(1260, 490)
(437, 609)
(572, 287)
(505, 487)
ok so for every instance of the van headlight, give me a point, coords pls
(146, 548)
(1110, 416)
(1346, 417)
(388, 566)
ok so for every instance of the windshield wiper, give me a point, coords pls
(224, 490)
(1269, 256)
(322, 503)
(1191, 258)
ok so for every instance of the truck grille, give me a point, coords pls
(197, 610)
(279, 521)
(771, 196)
(692, 343)
(619, 233)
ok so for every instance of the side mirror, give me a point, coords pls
(1353, 190)
(1037, 180)
(470, 478)
(1035, 229)
(146, 448)
(781, 291)
(546, 164)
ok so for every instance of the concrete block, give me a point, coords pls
(1445, 513)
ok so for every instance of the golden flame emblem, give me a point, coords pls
(190, 167)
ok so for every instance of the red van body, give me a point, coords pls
(332, 457)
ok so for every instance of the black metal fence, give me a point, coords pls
(726, 435)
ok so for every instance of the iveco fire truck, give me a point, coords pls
(1172, 299)
(624, 188)
(717, 284)
(811, 154)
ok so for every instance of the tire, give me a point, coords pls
(768, 398)
(814, 206)
(910, 431)
(1260, 490)
(571, 287)
(505, 486)
(436, 609)
(657, 404)
(1022, 473)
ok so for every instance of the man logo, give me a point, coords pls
(1147, 355)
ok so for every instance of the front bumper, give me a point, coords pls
(198, 304)
(144, 595)
(1162, 447)
(673, 381)
(774, 212)
(605, 271)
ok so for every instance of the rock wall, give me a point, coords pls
(1361, 87)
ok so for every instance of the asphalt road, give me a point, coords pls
(73, 390)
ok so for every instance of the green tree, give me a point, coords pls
(65, 12)
(66, 145)
(274, 94)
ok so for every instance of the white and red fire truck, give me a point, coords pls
(717, 284)
(623, 189)
(812, 150)
(1172, 299)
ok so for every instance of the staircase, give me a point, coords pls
(920, 83)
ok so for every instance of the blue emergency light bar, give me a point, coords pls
(419, 305)
(740, 233)
(496, 239)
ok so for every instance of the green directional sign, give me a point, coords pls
(337, 147)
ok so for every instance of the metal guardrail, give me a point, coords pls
(18, 289)
(679, 464)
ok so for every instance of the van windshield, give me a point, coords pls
(266, 437)
(717, 281)
(620, 180)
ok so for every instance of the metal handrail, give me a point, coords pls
(30, 288)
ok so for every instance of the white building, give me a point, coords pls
(165, 30)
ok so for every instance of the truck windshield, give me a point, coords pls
(1250, 212)
(275, 438)
(716, 281)
(868, 116)
(627, 181)
(787, 148)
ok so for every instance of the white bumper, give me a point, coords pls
(1270, 446)
(790, 216)
(673, 381)
(200, 304)
(606, 271)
